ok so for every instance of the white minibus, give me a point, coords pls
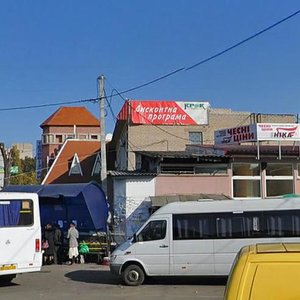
(20, 235)
(201, 238)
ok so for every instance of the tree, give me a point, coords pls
(23, 170)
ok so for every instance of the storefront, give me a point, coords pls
(264, 159)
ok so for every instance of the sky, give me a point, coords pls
(53, 51)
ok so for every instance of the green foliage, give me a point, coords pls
(25, 166)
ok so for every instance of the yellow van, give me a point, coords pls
(265, 272)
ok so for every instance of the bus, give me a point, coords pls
(202, 238)
(20, 235)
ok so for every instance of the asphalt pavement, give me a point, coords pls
(92, 281)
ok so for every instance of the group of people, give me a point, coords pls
(53, 241)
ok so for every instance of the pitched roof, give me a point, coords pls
(87, 153)
(71, 115)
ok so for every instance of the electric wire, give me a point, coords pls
(142, 115)
(163, 76)
(243, 41)
(159, 127)
(49, 104)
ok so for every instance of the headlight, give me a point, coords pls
(113, 257)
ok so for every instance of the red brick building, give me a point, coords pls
(66, 123)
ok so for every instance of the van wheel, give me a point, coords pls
(6, 278)
(133, 275)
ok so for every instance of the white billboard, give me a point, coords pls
(258, 132)
(236, 135)
(278, 132)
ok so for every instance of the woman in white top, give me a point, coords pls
(73, 235)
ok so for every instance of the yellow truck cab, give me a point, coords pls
(265, 272)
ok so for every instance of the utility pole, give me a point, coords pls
(103, 178)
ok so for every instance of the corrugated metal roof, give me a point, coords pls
(177, 154)
(263, 149)
(130, 174)
(165, 199)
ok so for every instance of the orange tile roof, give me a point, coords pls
(71, 115)
(87, 153)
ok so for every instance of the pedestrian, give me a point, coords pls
(58, 244)
(73, 235)
(49, 237)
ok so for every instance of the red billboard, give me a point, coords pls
(165, 112)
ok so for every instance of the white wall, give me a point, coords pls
(131, 204)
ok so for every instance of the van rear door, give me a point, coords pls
(19, 234)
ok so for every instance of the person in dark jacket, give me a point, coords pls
(58, 244)
(49, 252)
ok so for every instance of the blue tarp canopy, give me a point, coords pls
(72, 199)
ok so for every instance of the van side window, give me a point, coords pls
(192, 226)
(154, 230)
(228, 225)
(244, 225)
(283, 223)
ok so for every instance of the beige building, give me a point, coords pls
(26, 149)
(132, 135)
(160, 151)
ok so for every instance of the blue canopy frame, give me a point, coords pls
(91, 193)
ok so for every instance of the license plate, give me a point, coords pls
(7, 267)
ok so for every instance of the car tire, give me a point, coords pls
(133, 275)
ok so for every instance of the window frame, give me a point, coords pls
(192, 142)
(279, 178)
(246, 178)
(163, 227)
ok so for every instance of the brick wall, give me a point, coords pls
(175, 137)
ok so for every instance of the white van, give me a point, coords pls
(201, 238)
(20, 235)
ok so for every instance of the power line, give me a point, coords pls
(49, 104)
(163, 76)
(152, 81)
(243, 41)
(155, 125)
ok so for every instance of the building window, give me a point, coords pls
(75, 167)
(195, 138)
(70, 136)
(48, 138)
(45, 139)
(279, 179)
(94, 136)
(82, 136)
(58, 138)
(97, 165)
(246, 181)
